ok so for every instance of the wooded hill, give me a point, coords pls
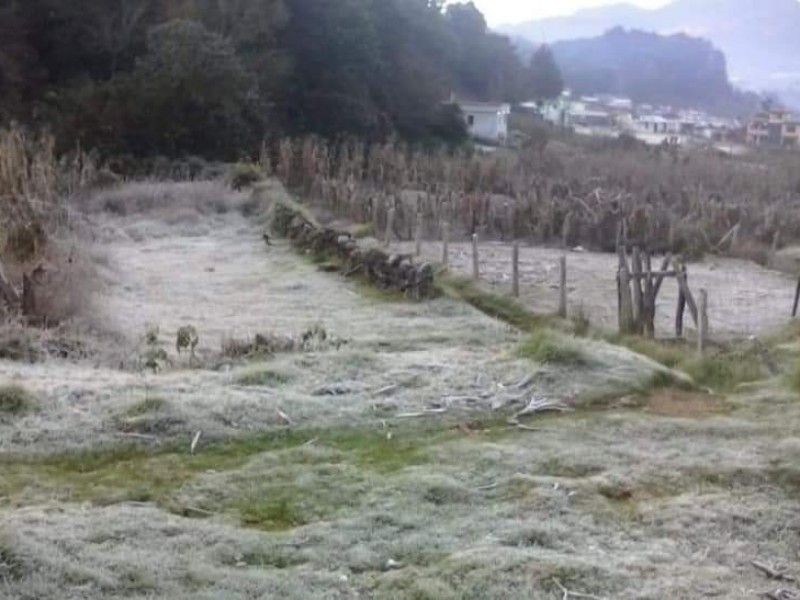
(210, 78)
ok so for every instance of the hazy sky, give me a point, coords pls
(499, 12)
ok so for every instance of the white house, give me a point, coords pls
(486, 121)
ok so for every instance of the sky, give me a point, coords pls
(504, 12)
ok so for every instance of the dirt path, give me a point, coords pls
(744, 298)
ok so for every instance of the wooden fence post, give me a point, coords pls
(562, 298)
(476, 272)
(389, 227)
(418, 236)
(515, 270)
(796, 300)
(702, 329)
(636, 270)
(446, 244)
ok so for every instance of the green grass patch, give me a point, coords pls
(147, 406)
(262, 378)
(15, 400)
(271, 514)
(793, 379)
(722, 369)
(723, 372)
(670, 354)
(362, 231)
(547, 347)
(498, 307)
(131, 473)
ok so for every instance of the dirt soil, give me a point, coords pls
(382, 469)
(744, 299)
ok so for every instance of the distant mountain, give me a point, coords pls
(759, 37)
(676, 70)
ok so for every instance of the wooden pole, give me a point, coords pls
(566, 230)
(476, 271)
(389, 227)
(418, 236)
(515, 270)
(796, 300)
(446, 244)
(679, 315)
(562, 298)
(702, 329)
(638, 299)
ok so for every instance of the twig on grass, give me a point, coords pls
(195, 442)
(539, 406)
(285, 417)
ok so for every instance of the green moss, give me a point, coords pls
(146, 407)
(262, 378)
(546, 347)
(270, 514)
(16, 400)
(794, 378)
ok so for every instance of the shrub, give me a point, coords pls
(244, 175)
(262, 378)
(544, 346)
(16, 400)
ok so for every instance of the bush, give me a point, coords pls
(15, 400)
(545, 347)
(244, 175)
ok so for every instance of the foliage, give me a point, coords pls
(546, 80)
(245, 174)
(208, 78)
(546, 347)
(675, 70)
(15, 400)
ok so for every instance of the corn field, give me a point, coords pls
(571, 194)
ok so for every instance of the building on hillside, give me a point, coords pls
(777, 128)
(486, 121)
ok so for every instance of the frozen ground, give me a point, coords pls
(744, 298)
(319, 482)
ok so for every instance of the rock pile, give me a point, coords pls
(394, 272)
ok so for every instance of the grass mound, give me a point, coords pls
(546, 347)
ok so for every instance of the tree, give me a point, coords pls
(546, 80)
(189, 94)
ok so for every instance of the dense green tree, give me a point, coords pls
(546, 80)
(214, 77)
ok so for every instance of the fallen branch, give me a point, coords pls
(285, 417)
(540, 406)
(773, 572)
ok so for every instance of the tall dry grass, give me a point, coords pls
(577, 191)
(36, 236)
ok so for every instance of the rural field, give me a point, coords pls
(332, 440)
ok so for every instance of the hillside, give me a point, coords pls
(758, 38)
(677, 70)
